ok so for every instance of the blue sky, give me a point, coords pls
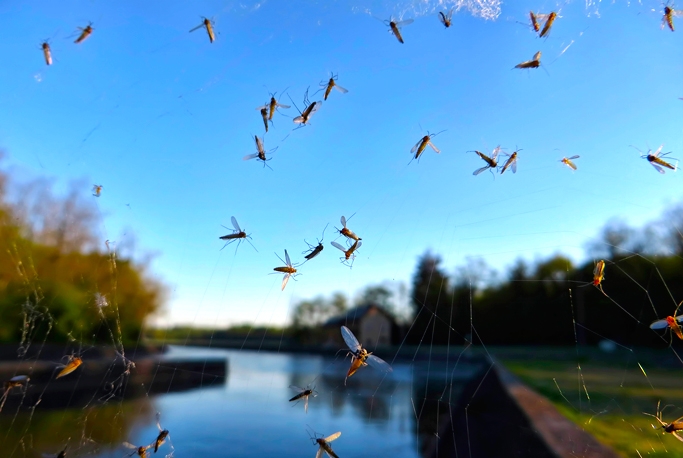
(162, 118)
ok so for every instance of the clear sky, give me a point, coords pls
(162, 118)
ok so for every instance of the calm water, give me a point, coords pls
(250, 414)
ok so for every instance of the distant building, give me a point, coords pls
(371, 324)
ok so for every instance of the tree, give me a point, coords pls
(432, 309)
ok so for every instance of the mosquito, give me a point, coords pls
(314, 250)
(491, 162)
(308, 111)
(72, 364)
(17, 381)
(161, 438)
(671, 428)
(304, 393)
(346, 232)
(655, 159)
(209, 29)
(548, 24)
(360, 356)
(568, 162)
(446, 18)
(332, 83)
(668, 17)
(324, 445)
(671, 322)
(511, 163)
(271, 106)
(420, 146)
(140, 450)
(97, 190)
(237, 234)
(85, 33)
(533, 63)
(261, 154)
(395, 27)
(348, 253)
(289, 270)
(47, 53)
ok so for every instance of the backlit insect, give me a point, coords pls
(548, 24)
(289, 270)
(47, 53)
(97, 190)
(163, 434)
(534, 21)
(360, 356)
(324, 445)
(568, 162)
(395, 27)
(261, 154)
(332, 83)
(141, 451)
(420, 146)
(72, 364)
(264, 115)
(85, 33)
(348, 253)
(533, 63)
(304, 393)
(314, 250)
(238, 234)
(670, 322)
(599, 275)
(491, 162)
(511, 163)
(446, 18)
(655, 159)
(671, 428)
(346, 232)
(209, 29)
(668, 17)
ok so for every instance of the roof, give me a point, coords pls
(355, 314)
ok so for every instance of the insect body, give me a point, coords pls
(511, 163)
(655, 159)
(47, 53)
(395, 27)
(446, 18)
(303, 394)
(346, 232)
(599, 274)
(671, 428)
(209, 29)
(533, 63)
(237, 234)
(289, 270)
(422, 144)
(72, 364)
(534, 21)
(491, 162)
(348, 253)
(163, 434)
(307, 113)
(548, 24)
(261, 154)
(97, 190)
(140, 451)
(314, 250)
(668, 17)
(670, 322)
(264, 115)
(360, 356)
(568, 162)
(333, 84)
(271, 107)
(85, 33)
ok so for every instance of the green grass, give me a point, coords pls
(606, 394)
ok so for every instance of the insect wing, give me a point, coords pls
(402, 23)
(342, 220)
(259, 143)
(537, 56)
(24, 378)
(285, 280)
(659, 324)
(282, 106)
(378, 363)
(315, 107)
(70, 367)
(287, 261)
(341, 89)
(338, 246)
(657, 168)
(234, 224)
(513, 166)
(433, 147)
(250, 156)
(332, 437)
(350, 339)
(299, 120)
(478, 171)
(319, 453)
(198, 27)
(417, 145)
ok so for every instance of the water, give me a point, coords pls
(250, 415)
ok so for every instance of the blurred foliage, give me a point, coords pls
(57, 281)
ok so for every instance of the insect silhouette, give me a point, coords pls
(238, 234)
(533, 63)
(548, 24)
(264, 115)
(360, 356)
(304, 393)
(491, 162)
(163, 434)
(85, 33)
(97, 190)
(324, 445)
(289, 270)
(72, 364)
(511, 163)
(446, 18)
(314, 250)
(568, 162)
(47, 53)
(332, 83)
(308, 111)
(209, 29)
(348, 253)
(534, 21)
(668, 18)
(261, 154)
(671, 428)
(420, 146)
(395, 27)
(346, 232)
